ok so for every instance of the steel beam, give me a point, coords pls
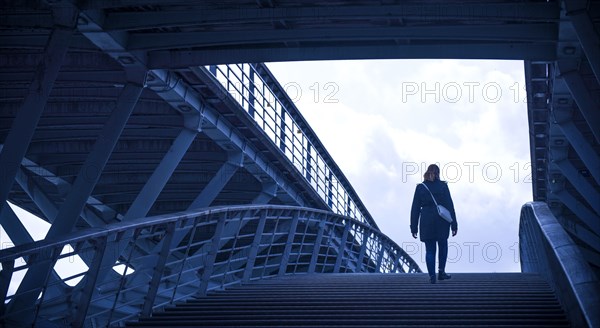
(538, 33)
(14, 227)
(121, 20)
(268, 192)
(591, 220)
(583, 186)
(149, 193)
(577, 11)
(47, 206)
(82, 188)
(162, 59)
(218, 182)
(24, 124)
(161, 175)
(583, 234)
(94, 165)
(588, 107)
(585, 151)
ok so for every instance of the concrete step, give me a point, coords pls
(372, 300)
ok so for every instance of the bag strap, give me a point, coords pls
(424, 185)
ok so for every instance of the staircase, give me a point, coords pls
(373, 300)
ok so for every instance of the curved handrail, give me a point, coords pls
(546, 248)
(222, 246)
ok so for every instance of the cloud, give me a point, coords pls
(392, 118)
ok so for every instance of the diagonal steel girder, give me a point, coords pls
(198, 115)
(23, 127)
(583, 25)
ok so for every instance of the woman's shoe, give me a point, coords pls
(444, 276)
(432, 278)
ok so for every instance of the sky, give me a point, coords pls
(384, 121)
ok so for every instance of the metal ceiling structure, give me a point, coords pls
(112, 111)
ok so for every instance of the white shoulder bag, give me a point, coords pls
(442, 211)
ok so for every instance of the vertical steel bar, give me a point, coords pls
(317, 248)
(380, 256)
(255, 246)
(212, 254)
(158, 270)
(193, 229)
(288, 244)
(342, 248)
(363, 250)
(90, 282)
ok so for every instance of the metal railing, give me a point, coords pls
(218, 247)
(286, 128)
(546, 249)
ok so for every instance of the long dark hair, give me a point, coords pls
(433, 173)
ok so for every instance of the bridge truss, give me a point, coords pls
(114, 111)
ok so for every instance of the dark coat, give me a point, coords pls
(431, 225)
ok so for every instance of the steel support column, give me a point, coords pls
(24, 124)
(288, 244)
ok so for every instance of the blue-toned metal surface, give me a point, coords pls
(263, 241)
(547, 249)
(246, 149)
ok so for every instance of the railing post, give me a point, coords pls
(363, 250)
(251, 90)
(255, 246)
(315, 255)
(380, 257)
(342, 247)
(158, 269)
(282, 130)
(212, 255)
(288, 245)
(91, 278)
